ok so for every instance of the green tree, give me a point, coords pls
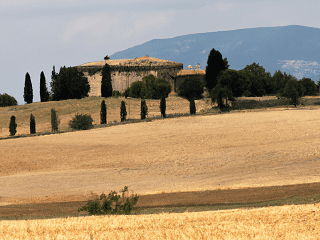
(291, 91)
(44, 94)
(191, 88)
(103, 113)
(137, 90)
(231, 84)
(257, 79)
(69, 84)
(144, 109)
(106, 82)
(163, 106)
(32, 124)
(123, 111)
(28, 92)
(54, 120)
(215, 65)
(7, 100)
(310, 86)
(13, 126)
(192, 106)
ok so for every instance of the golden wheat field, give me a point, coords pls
(286, 222)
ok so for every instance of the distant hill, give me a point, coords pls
(292, 49)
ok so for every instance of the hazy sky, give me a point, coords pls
(37, 34)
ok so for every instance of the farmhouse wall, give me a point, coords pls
(123, 76)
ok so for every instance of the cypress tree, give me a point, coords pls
(144, 109)
(123, 111)
(54, 120)
(106, 82)
(32, 124)
(192, 106)
(28, 92)
(13, 126)
(44, 94)
(103, 113)
(215, 65)
(163, 106)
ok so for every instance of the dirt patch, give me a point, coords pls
(215, 197)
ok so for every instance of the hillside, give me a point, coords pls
(292, 49)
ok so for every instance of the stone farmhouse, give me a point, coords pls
(126, 71)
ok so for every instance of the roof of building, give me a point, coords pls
(142, 61)
(190, 72)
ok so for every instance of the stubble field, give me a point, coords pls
(234, 150)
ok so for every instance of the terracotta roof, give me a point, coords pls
(190, 72)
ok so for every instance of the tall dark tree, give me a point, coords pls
(106, 82)
(28, 92)
(44, 94)
(32, 124)
(54, 120)
(144, 109)
(215, 65)
(103, 113)
(69, 84)
(163, 106)
(310, 86)
(13, 126)
(123, 111)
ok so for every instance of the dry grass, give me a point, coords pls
(68, 108)
(287, 222)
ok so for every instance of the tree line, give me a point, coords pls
(84, 121)
(225, 84)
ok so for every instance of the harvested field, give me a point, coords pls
(244, 149)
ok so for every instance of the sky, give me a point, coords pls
(36, 35)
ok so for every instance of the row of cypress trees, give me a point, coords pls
(28, 90)
(103, 115)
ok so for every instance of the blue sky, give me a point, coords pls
(37, 34)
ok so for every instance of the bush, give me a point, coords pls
(191, 88)
(54, 120)
(103, 113)
(111, 204)
(123, 111)
(7, 100)
(192, 107)
(149, 88)
(81, 122)
(144, 109)
(13, 126)
(163, 107)
(116, 93)
(32, 124)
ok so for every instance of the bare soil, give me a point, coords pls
(199, 198)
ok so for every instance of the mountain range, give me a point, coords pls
(292, 49)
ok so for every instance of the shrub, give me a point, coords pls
(163, 107)
(192, 107)
(81, 122)
(7, 100)
(144, 109)
(123, 111)
(103, 113)
(32, 124)
(116, 93)
(13, 126)
(111, 204)
(54, 120)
